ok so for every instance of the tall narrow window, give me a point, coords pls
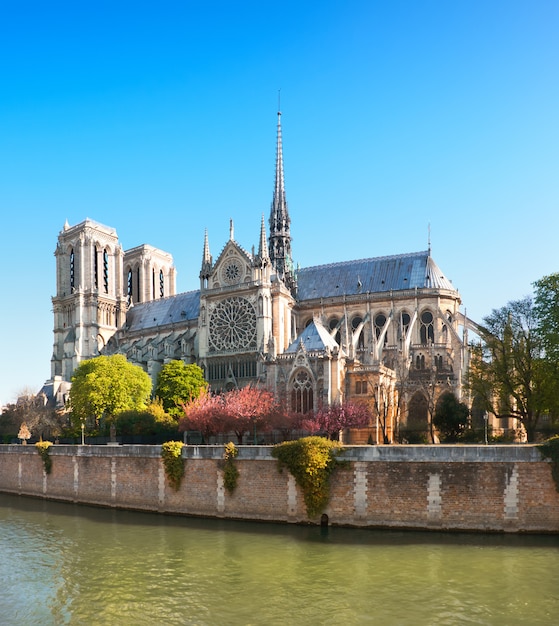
(161, 284)
(106, 271)
(380, 321)
(427, 330)
(355, 323)
(129, 287)
(361, 386)
(138, 290)
(72, 270)
(404, 324)
(302, 393)
(96, 267)
(153, 284)
(332, 325)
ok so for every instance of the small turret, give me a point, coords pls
(262, 259)
(206, 268)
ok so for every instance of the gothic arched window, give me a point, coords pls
(302, 392)
(355, 323)
(380, 321)
(332, 325)
(129, 286)
(72, 269)
(427, 329)
(404, 324)
(96, 267)
(161, 284)
(106, 271)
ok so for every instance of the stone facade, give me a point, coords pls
(386, 331)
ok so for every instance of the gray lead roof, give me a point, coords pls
(170, 310)
(389, 273)
(314, 338)
(381, 274)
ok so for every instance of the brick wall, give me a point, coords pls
(475, 488)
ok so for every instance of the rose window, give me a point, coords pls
(233, 325)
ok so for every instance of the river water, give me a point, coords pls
(71, 564)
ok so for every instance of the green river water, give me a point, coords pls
(71, 564)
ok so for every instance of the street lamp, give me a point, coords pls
(485, 419)
(83, 433)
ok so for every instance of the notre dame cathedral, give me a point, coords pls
(385, 331)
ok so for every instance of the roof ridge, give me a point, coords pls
(378, 258)
(156, 300)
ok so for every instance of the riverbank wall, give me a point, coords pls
(493, 488)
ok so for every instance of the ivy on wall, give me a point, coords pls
(229, 467)
(171, 453)
(43, 450)
(311, 461)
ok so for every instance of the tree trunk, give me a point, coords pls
(530, 429)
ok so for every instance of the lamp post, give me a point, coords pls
(485, 420)
(83, 434)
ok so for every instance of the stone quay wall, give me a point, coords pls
(459, 488)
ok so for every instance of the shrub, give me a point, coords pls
(43, 450)
(413, 436)
(171, 453)
(311, 461)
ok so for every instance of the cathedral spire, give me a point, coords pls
(280, 237)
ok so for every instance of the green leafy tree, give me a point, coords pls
(546, 306)
(151, 421)
(451, 418)
(508, 375)
(177, 384)
(104, 387)
(546, 309)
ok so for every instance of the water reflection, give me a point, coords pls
(70, 564)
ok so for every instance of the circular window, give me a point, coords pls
(231, 273)
(427, 317)
(355, 322)
(233, 325)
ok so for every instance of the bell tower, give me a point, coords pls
(90, 301)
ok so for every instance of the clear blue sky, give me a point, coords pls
(159, 119)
